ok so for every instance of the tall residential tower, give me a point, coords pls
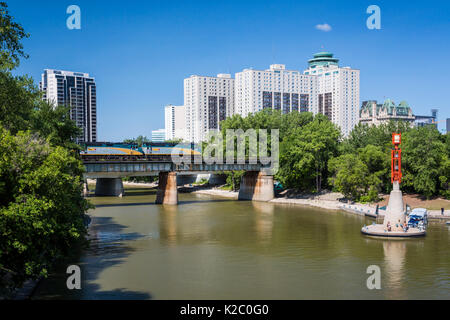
(77, 91)
(208, 100)
(175, 122)
(275, 88)
(338, 90)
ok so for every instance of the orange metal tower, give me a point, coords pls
(396, 158)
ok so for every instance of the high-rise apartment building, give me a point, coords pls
(208, 100)
(175, 121)
(275, 88)
(159, 135)
(77, 91)
(324, 87)
(338, 90)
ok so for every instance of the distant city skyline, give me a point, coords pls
(139, 53)
(324, 87)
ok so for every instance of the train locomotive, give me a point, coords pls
(129, 151)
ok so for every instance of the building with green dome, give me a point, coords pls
(337, 90)
(373, 113)
(323, 59)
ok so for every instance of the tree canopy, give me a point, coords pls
(11, 35)
(313, 155)
(41, 204)
(425, 156)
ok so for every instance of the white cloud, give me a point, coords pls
(324, 27)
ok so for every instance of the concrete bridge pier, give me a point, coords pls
(109, 187)
(167, 188)
(256, 186)
(85, 188)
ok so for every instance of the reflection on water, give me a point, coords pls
(168, 223)
(394, 257)
(264, 220)
(214, 248)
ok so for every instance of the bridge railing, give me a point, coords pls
(162, 159)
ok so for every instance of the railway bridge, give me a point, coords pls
(257, 182)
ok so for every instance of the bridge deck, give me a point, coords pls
(117, 167)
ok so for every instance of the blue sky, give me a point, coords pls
(140, 51)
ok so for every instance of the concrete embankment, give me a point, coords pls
(359, 209)
(437, 215)
(219, 192)
(325, 200)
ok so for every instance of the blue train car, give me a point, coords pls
(169, 149)
(151, 149)
(107, 148)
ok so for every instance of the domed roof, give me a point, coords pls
(323, 59)
(401, 109)
(323, 54)
(389, 105)
(403, 104)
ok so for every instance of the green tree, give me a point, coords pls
(19, 98)
(349, 175)
(234, 179)
(140, 141)
(41, 209)
(54, 123)
(267, 119)
(360, 175)
(11, 35)
(304, 154)
(41, 206)
(380, 136)
(425, 156)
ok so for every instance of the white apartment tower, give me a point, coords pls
(175, 122)
(275, 88)
(208, 100)
(338, 90)
(77, 91)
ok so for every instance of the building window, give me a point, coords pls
(212, 112)
(277, 100)
(295, 103)
(286, 103)
(267, 100)
(304, 103)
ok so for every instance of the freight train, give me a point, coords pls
(129, 151)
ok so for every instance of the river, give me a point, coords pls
(214, 248)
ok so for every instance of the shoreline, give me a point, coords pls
(325, 200)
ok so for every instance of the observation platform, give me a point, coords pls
(378, 230)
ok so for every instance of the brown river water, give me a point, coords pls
(215, 248)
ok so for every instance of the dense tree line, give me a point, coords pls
(314, 155)
(425, 161)
(141, 140)
(41, 206)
